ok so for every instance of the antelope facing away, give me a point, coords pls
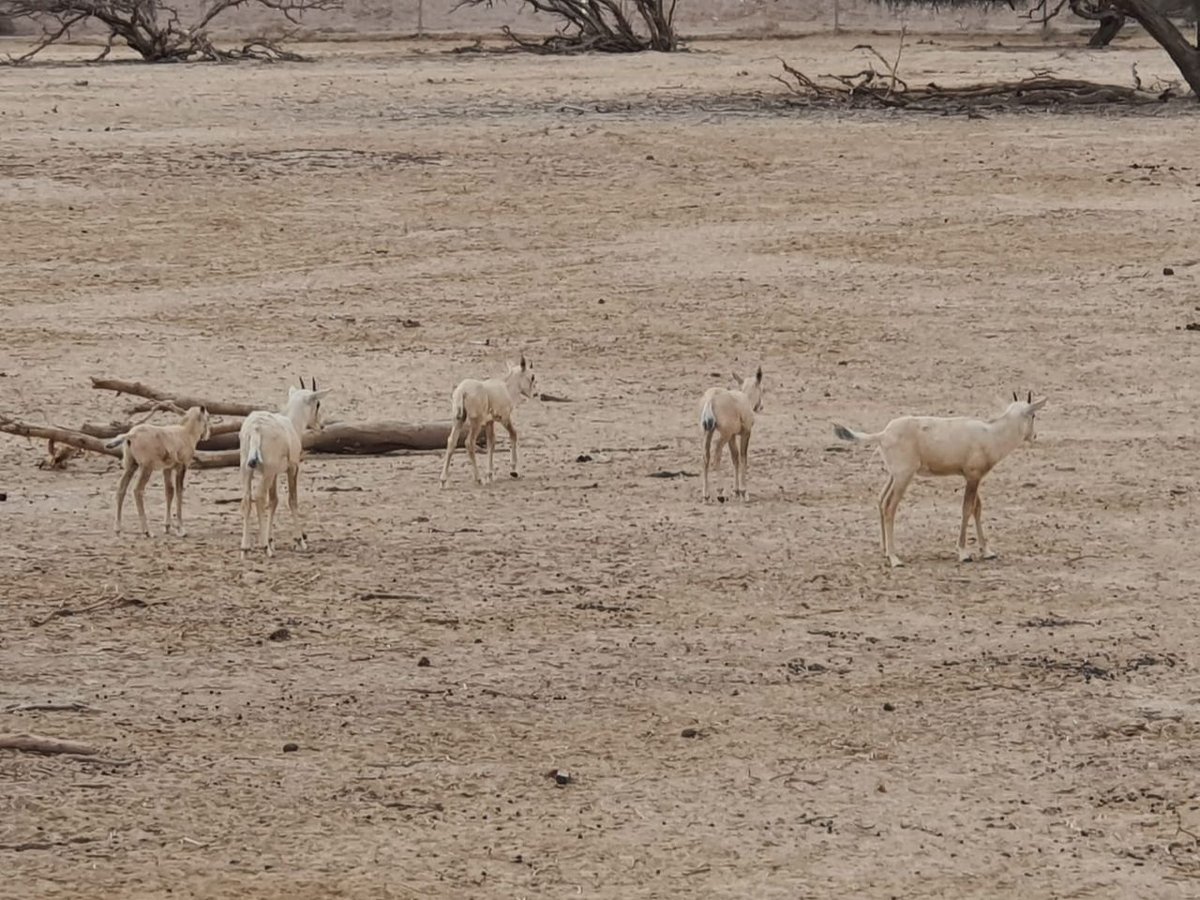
(730, 416)
(931, 445)
(270, 445)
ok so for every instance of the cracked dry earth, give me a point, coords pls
(1024, 727)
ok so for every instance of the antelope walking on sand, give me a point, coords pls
(932, 445)
(478, 405)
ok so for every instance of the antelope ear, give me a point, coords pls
(324, 393)
(738, 378)
(1036, 406)
(758, 376)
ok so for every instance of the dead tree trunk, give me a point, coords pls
(1166, 35)
(1110, 26)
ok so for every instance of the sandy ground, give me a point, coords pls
(1025, 727)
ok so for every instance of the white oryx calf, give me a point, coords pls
(478, 405)
(167, 447)
(270, 445)
(730, 415)
(930, 445)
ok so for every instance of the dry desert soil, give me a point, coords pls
(748, 701)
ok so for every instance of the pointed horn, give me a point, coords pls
(1014, 396)
(1029, 398)
(313, 379)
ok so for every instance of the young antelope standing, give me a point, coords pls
(478, 405)
(730, 416)
(167, 447)
(934, 446)
(270, 445)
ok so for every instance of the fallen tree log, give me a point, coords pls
(112, 429)
(57, 435)
(33, 743)
(363, 438)
(221, 451)
(137, 389)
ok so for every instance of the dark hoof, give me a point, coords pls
(514, 474)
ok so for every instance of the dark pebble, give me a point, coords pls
(887, 707)
(289, 747)
(424, 662)
(690, 733)
(3, 496)
(1167, 270)
(279, 634)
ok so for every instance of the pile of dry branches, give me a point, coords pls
(221, 449)
(603, 26)
(153, 29)
(871, 87)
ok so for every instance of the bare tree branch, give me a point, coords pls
(604, 26)
(153, 29)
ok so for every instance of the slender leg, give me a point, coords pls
(716, 463)
(745, 454)
(126, 477)
(293, 477)
(473, 429)
(247, 503)
(889, 516)
(968, 510)
(708, 436)
(180, 474)
(451, 444)
(169, 490)
(515, 472)
(490, 432)
(735, 459)
(271, 509)
(985, 552)
(139, 496)
(884, 498)
(264, 490)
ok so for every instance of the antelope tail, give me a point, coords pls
(254, 450)
(857, 437)
(708, 419)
